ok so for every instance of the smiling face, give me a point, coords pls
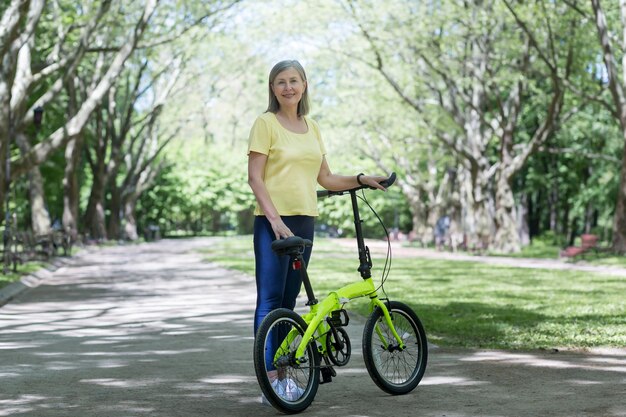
(288, 87)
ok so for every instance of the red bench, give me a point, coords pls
(587, 242)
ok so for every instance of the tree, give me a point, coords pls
(18, 80)
(80, 70)
(617, 88)
(469, 75)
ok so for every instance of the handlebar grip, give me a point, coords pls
(389, 181)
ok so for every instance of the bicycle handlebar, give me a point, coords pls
(385, 183)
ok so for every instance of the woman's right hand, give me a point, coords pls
(280, 229)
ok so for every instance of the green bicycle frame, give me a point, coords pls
(316, 317)
(319, 312)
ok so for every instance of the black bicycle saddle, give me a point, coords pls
(290, 245)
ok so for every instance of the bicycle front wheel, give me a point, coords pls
(289, 386)
(395, 371)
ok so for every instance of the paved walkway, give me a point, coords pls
(399, 250)
(153, 330)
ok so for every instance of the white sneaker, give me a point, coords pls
(292, 391)
(287, 389)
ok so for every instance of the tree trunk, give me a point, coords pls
(40, 217)
(457, 235)
(71, 189)
(476, 203)
(215, 223)
(5, 175)
(73, 152)
(420, 230)
(483, 225)
(130, 223)
(619, 223)
(95, 219)
(523, 223)
(115, 218)
(5, 133)
(17, 24)
(506, 239)
(616, 87)
(245, 222)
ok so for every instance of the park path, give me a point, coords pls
(400, 250)
(154, 330)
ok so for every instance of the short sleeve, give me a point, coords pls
(260, 139)
(318, 134)
(322, 147)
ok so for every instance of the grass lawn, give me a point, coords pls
(22, 270)
(472, 304)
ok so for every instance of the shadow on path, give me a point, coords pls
(153, 330)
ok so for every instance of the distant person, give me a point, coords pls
(286, 161)
(441, 231)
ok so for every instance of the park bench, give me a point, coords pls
(588, 242)
(24, 246)
(10, 257)
(31, 246)
(34, 247)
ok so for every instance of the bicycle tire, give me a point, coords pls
(295, 386)
(394, 371)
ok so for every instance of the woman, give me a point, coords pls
(286, 161)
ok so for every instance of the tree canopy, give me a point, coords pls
(506, 116)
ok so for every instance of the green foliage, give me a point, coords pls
(205, 197)
(575, 176)
(391, 207)
(571, 181)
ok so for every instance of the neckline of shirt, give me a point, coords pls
(308, 128)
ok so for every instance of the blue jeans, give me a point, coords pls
(277, 284)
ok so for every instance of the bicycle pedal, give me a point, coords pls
(338, 318)
(327, 374)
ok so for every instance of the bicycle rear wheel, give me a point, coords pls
(395, 371)
(290, 387)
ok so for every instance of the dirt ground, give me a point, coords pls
(153, 330)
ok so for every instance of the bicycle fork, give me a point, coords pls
(401, 345)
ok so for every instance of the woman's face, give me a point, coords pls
(288, 88)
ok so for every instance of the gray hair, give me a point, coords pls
(303, 105)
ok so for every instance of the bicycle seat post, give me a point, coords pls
(365, 266)
(299, 264)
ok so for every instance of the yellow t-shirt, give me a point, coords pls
(293, 164)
